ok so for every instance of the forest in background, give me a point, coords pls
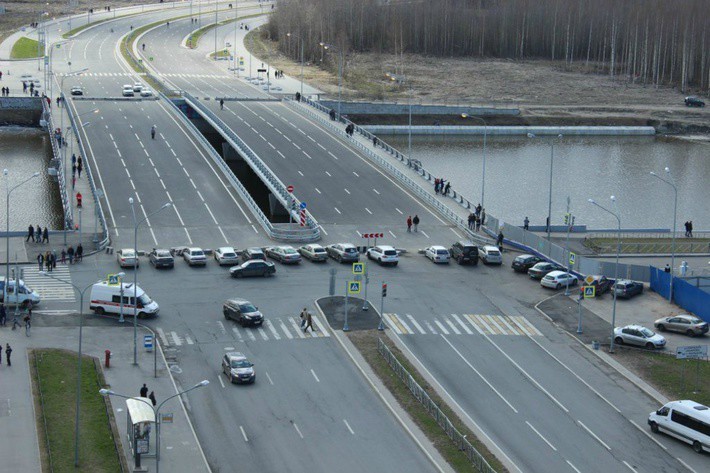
(650, 42)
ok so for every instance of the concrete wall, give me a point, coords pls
(379, 108)
(21, 111)
(512, 130)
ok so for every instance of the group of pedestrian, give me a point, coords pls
(278, 74)
(37, 236)
(441, 186)
(689, 229)
(47, 260)
(306, 320)
(477, 218)
(151, 396)
(8, 354)
(77, 165)
(6, 91)
(349, 130)
(413, 222)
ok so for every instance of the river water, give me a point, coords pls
(24, 151)
(518, 173)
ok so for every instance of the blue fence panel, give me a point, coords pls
(685, 295)
(660, 282)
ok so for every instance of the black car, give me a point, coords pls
(540, 270)
(161, 258)
(522, 263)
(627, 289)
(694, 102)
(253, 268)
(243, 312)
(253, 253)
(464, 252)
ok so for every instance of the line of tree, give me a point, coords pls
(656, 42)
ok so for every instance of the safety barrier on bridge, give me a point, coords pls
(57, 153)
(311, 230)
(430, 406)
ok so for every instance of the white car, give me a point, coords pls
(226, 255)
(127, 258)
(137, 87)
(128, 90)
(313, 252)
(383, 254)
(194, 256)
(146, 93)
(438, 254)
(558, 279)
(638, 335)
(490, 254)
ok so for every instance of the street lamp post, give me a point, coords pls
(483, 174)
(8, 191)
(616, 266)
(135, 272)
(215, 30)
(549, 201)
(675, 210)
(340, 73)
(302, 46)
(156, 412)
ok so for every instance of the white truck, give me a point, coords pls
(106, 299)
(23, 296)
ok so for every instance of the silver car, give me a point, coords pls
(238, 368)
(226, 255)
(639, 336)
(343, 252)
(313, 252)
(683, 323)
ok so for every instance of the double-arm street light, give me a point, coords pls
(8, 191)
(301, 41)
(156, 412)
(616, 265)
(401, 80)
(483, 174)
(327, 46)
(136, 223)
(675, 211)
(549, 201)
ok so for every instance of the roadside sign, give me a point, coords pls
(148, 342)
(572, 258)
(589, 279)
(261, 70)
(113, 279)
(142, 446)
(303, 205)
(589, 291)
(166, 418)
(289, 189)
(692, 352)
(358, 268)
(354, 287)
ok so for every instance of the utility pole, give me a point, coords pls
(569, 222)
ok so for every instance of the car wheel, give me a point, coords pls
(690, 333)
(558, 286)
(661, 327)
(242, 322)
(238, 275)
(459, 260)
(619, 340)
(226, 316)
(231, 378)
(654, 427)
(650, 346)
(99, 311)
(698, 447)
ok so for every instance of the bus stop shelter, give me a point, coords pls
(140, 423)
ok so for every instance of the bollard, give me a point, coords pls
(107, 360)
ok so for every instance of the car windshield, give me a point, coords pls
(693, 320)
(247, 308)
(549, 277)
(144, 299)
(318, 250)
(646, 332)
(229, 255)
(350, 250)
(163, 254)
(289, 251)
(390, 253)
(128, 253)
(442, 252)
(493, 252)
(197, 253)
(240, 364)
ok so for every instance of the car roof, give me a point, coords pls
(437, 247)
(490, 248)
(466, 243)
(237, 301)
(223, 249)
(161, 250)
(255, 249)
(235, 355)
(126, 250)
(345, 245)
(635, 326)
(554, 274)
(385, 247)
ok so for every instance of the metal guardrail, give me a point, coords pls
(399, 175)
(646, 234)
(649, 248)
(57, 152)
(309, 232)
(105, 238)
(442, 420)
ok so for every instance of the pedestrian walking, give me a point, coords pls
(447, 188)
(78, 199)
(686, 228)
(79, 253)
(436, 185)
(690, 229)
(3, 315)
(45, 235)
(73, 170)
(309, 323)
(483, 217)
(40, 260)
(221, 104)
(30, 234)
(73, 159)
(374, 141)
(70, 254)
(478, 223)
(144, 391)
(302, 315)
(667, 269)
(38, 234)
(73, 182)
(152, 132)
(526, 224)
(8, 353)
(48, 260)
(152, 398)
(80, 161)
(298, 96)
(79, 167)
(415, 221)
(409, 224)
(64, 256)
(499, 240)
(471, 221)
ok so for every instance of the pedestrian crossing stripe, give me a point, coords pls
(49, 289)
(465, 324)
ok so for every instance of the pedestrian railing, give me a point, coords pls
(430, 406)
(650, 247)
(399, 175)
(311, 230)
(100, 215)
(61, 178)
(660, 234)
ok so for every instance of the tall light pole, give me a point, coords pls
(483, 174)
(8, 191)
(340, 72)
(135, 272)
(301, 41)
(616, 266)
(156, 412)
(78, 375)
(549, 201)
(215, 30)
(61, 88)
(675, 211)
(236, 20)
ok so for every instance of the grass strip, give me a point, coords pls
(54, 378)
(366, 343)
(222, 53)
(26, 48)
(194, 40)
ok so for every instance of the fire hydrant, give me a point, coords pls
(107, 361)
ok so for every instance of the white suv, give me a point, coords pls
(558, 279)
(128, 90)
(490, 254)
(383, 255)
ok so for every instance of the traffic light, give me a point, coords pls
(567, 219)
(384, 290)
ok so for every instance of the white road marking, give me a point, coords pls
(346, 191)
(296, 327)
(262, 333)
(453, 327)
(211, 214)
(441, 327)
(323, 230)
(348, 426)
(685, 465)
(244, 434)
(629, 466)
(272, 329)
(237, 333)
(189, 340)
(336, 209)
(222, 328)
(318, 190)
(593, 435)
(314, 375)
(219, 377)
(416, 324)
(300, 173)
(356, 174)
(643, 431)
(375, 190)
(176, 339)
(321, 146)
(298, 430)
(573, 467)
(161, 334)
(334, 156)
(368, 210)
(307, 155)
(424, 233)
(200, 195)
(358, 233)
(285, 330)
(541, 436)
(271, 382)
(251, 335)
(393, 235)
(329, 175)
(463, 325)
(400, 212)
(281, 154)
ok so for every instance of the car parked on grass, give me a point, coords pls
(682, 323)
(438, 254)
(343, 252)
(242, 311)
(284, 254)
(238, 368)
(256, 267)
(540, 270)
(226, 255)
(383, 254)
(490, 254)
(194, 256)
(253, 253)
(639, 336)
(558, 280)
(464, 252)
(627, 289)
(522, 263)
(127, 258)
(694, 102)
(313, 252)
(601, 284)
(160, 258)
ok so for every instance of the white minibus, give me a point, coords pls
(685, 420)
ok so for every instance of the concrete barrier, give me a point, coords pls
(512, 130)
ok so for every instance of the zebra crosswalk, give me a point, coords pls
(273, 329)
(50, 289)
(464, 324)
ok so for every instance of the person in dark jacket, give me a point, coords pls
(30, 233)
(45, 235)
(415, 221)
(79, 253)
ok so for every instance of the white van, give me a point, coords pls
(106, 299)
(685, 420)
(23, 296)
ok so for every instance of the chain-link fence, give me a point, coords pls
(442, 420)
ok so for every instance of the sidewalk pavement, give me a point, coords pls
(181, 451)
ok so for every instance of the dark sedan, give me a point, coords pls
(522, 263)
(627, 289)
(161, 258)
(601, 283)
(253, 253)
(253, 268)
(540, 270)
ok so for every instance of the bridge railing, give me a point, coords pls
(57, 153)
(311, 230)
(399, 175)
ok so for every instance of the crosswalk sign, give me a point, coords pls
(358, 268)
(354, 287)
(113, 279)
(572, 258)
(589, 291)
